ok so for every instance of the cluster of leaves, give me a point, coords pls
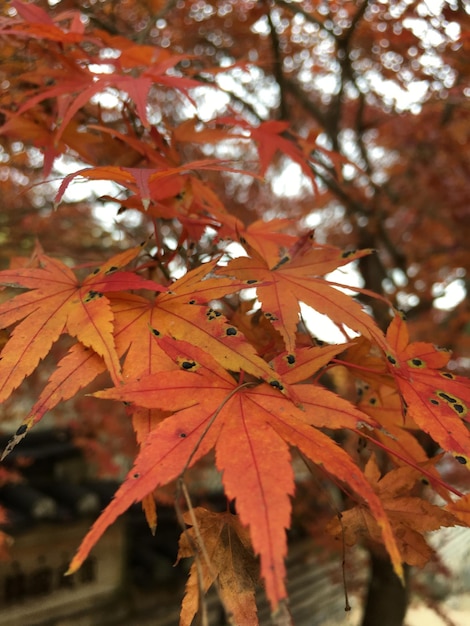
(200, 366)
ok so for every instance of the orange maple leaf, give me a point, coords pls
(251, 427)
(298, 277)
(435, 400)
(56, 303)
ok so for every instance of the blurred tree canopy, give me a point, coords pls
(382, 86)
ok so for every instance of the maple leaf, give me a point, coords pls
(250, 428)
(225, 557)
(298, 278)
(139, 179)
(411, 516)
(58, 303)
(41, 26)
(182, 312)
(270, 137)
(435, 400)
(266, 238)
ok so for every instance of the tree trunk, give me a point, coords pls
(387, 597)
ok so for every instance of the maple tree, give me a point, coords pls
(208, 131)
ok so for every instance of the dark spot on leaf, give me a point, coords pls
(192, 302)
(231, 331)
(459, 408)
(461, 459)
(137, 475)
(187, 365)
(447, 375)
(425, 481)
(348, 253)
(242, 241)
(446, 397)
(372, 401)
(155, 332)
(417, 363)
(21, 430)
(276, 384)
(182, 435)
(285, 259)
(433, 401)
(391, 360)
(290, 358)
(180, 195)
(271, 317)
(112, 269)
(212, 314)
(96, 271)
(252, 281)
(142, 244)
(92, 295)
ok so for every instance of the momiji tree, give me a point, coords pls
(315, 136)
